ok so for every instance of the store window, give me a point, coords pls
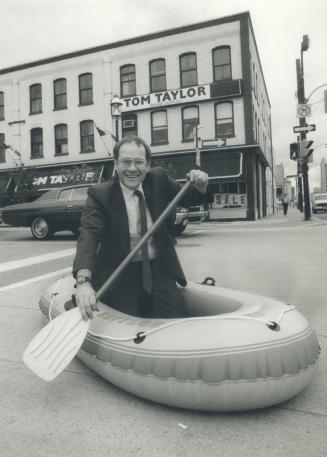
(35, 99)
(221, 60)
(2, 148)
(85, 89)
(60, 93)
(61, 139)
(188, 70)
(127, 80)
(87, 136)
(159, 127)
(2, 106)
(36, 143)
(224, 120)
(190, 119)
(157, 75)
(129, 125)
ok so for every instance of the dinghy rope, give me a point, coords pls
(140, 336)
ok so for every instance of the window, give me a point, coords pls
(85, 89)
(60, 93)
(188, 70)
(2, 106)
(159, 127)
(61, 139)
(79, 193)
(65, 194)
(221, 63)
(36, 143)
(87, 136)
(190, 119)
(35, 99)
(129, 124)
(157, 75)
(224, 120)
(2, 148)
(127, 80)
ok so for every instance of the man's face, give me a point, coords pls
(131, 165)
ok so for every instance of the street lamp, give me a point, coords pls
(116, 108)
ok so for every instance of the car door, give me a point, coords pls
(76, 205)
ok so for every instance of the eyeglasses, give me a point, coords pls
(138, 163)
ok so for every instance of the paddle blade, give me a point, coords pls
(56, 344)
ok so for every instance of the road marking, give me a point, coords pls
(7, 266)
(37, 278)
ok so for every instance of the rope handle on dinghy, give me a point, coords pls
(140, 336)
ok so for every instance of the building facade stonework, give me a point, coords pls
(199, 86)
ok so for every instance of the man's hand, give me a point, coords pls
(86, 301)
(199, 180)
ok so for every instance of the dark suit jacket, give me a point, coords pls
(104, 233)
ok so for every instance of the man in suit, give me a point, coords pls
(116, 215)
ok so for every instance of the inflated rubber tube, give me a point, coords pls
(237, 351)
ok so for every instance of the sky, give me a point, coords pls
(34, 29)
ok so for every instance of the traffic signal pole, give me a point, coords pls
(302, 100)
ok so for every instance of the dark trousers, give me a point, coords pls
(285, 208)
(129, 297)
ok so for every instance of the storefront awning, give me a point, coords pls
(227, 164)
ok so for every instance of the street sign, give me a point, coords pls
(304, 128)
(212, 143)
(303, 110)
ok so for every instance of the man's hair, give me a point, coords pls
(133, 139)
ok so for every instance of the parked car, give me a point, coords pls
(185, 216)
(54, 211)
(319, 202)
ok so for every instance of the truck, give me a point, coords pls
(319, 202)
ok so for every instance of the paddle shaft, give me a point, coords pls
(143, 240)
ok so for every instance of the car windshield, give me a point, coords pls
(50, 195)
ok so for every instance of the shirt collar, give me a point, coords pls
(129, 193)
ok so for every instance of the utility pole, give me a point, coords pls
(302, 100)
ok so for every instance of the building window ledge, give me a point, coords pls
(86, 104)
(35, 112)
(85, 152)
(36, 157)
(59, 109)
(62, 154)
(159, 144)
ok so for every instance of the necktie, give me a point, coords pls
(146, 266)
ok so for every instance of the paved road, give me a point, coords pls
(79, 414)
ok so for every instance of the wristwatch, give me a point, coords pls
(82, 279)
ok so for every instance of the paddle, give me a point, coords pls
(53, 348)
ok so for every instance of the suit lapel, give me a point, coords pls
(147, 189)
(120, 215)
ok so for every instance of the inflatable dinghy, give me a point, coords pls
(237, 351)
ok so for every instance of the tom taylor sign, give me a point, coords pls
(167, 97)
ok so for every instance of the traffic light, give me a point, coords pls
(294, 151)
(306, 150)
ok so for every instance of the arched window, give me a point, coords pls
(60, 93)
(85, 89)
(221, 61)
(2, 148)
(188, 69)
(190, 119)
(127, 80)
(35, 98)
(159, 127)
(87, 136)
(157, 70)
(61, 139)
(224, 120)
(2, 106)
(36, 143)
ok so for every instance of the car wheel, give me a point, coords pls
(41, 228)
(177, 229)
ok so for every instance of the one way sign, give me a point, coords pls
(304, 128)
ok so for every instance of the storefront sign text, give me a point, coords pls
(167, 97)
(229, 201)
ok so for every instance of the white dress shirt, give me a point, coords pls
(134, 222)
